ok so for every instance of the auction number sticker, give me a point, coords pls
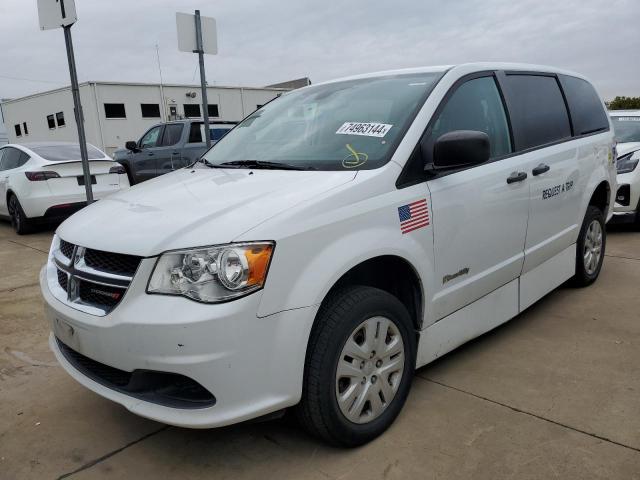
(366, 129)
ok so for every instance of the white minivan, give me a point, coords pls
(338, 238)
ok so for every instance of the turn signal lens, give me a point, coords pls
(41, 176)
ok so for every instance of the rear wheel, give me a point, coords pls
(360, 363)
(590, 247)
(19, 220)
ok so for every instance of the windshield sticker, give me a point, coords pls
(366, 129)
(628, 119)
(354, 159)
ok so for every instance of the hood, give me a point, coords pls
(193, 207)
(624, 148)
(120, 153)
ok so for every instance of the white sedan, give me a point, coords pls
(44, 181)
(626, 124)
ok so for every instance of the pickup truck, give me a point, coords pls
(166, 147)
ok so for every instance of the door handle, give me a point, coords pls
(516, 177)
(540, 169)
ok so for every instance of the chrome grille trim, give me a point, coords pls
(81, 278)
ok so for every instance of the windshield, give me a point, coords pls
(354, 124)
(61, 153)
(627, 129)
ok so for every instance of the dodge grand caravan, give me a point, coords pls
(337, 239)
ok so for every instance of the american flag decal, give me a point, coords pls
(413, 216)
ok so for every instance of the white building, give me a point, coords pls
(117, 112)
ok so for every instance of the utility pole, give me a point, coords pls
(203, 81)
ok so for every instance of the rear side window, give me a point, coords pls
(475, 105)
(172, 134)
(195, 134)
(538, 112)
(587, 111)
(13, 158)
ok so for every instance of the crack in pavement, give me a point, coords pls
(539, 417)
(96, 461)
(621, 256)
(28, 246)
(13, 289)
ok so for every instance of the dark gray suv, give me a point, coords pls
(166, 147)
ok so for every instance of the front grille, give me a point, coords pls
(62, 279)
(117, 263)
(93, 279)
(66, 248)
(163, 388)
(96, 294)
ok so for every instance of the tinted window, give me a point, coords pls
(51, 122)
(475, 105)
(150, 138)
(172, 134)
(195, 134)
(587, 111)
(627, 128)
(213, 110)
(218, 133)
(60, 119)
(150, 110)
(114, 110)
(538, 112)
(12, 158)
(2, 150)
(61, 153)
(191, 110)
(24, 126)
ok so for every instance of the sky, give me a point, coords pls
(262, 42)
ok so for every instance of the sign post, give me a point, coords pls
(62, 14)
(197, 34)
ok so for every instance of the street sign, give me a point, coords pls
(56, 13)
(187, 41)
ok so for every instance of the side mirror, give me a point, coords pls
(131, 145)
(461, 148)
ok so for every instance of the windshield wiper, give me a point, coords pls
(263, 164)
(207, 163)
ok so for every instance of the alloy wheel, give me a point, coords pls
(592, 247)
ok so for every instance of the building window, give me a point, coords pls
(191, 110)
(60, 119)
(213, 110)
(24, 127)
(150, 110)
(114, 110)
(51, 122)
(18, 130)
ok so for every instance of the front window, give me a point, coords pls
(627, 129)
(353, 124)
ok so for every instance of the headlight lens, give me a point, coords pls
(627, 163)
(212, 274)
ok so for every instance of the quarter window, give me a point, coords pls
(191, 110)
(475, 105)
(587, 111)
(150, 138)
(114, 110)
(538, 111)
(12, 158)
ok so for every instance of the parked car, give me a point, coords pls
(337, 239)
(626, 124)
(45, 182)
(166, 147)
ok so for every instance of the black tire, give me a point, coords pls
(19, 220)
(583, 277)
(339, 315)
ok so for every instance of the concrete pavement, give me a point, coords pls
(553, 393)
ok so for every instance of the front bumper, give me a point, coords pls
(253, 366)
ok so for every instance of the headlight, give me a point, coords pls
(627, 163)
(212, 274)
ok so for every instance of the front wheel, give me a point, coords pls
(359, 367)
(19, 220)
(591, 245)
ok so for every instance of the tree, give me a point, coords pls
(624, 103)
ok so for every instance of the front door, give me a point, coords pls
(145, 160)
(168, 155)
(479, 213)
